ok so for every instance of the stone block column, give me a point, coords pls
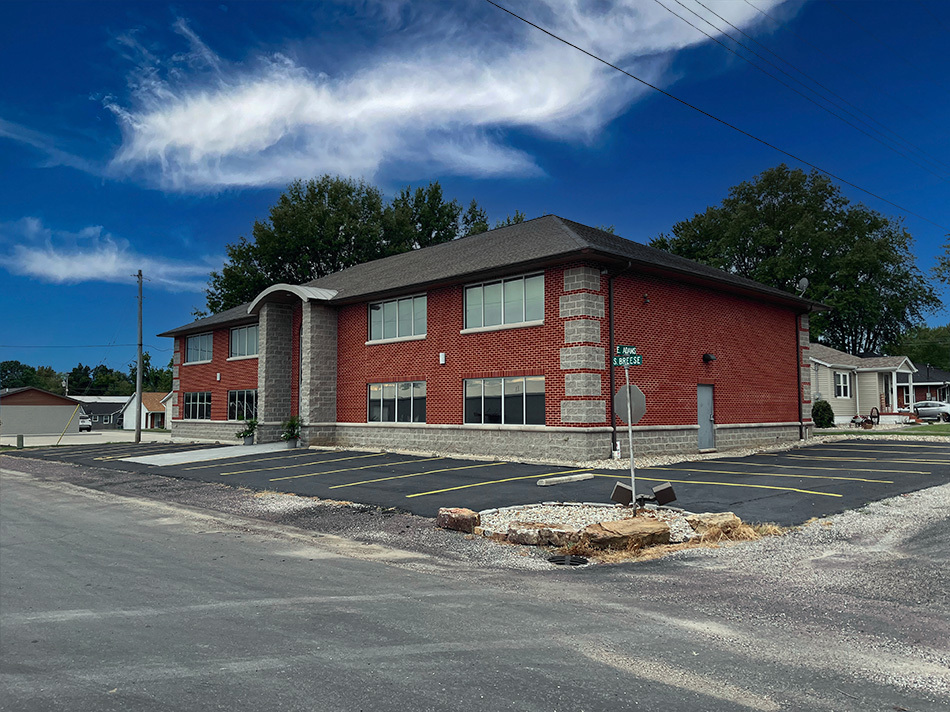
(318, 363)
(274, 372)
(583, 357)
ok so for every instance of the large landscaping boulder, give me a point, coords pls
(541, 534)
(632, 533)
(458, 518)
(723, 521)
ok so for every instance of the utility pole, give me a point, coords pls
(138, 371)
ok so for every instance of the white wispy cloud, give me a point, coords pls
(443, 101)
(92, 254)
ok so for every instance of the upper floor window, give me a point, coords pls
(398, 318)
(244, 341)
(510, 301)
(842, 384)
(198, 348)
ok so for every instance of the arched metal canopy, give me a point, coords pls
(305, 294)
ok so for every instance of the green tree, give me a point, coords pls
(923, 345)
(49, 380)
(14, 374)
(154, 380)
(942, 269)
(785, 225)
(474, 220)
(511, 220)
(327, 224)
(79, 380)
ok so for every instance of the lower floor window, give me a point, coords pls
(198, 406)
(507, 401)
(242, 405)
(397, 402)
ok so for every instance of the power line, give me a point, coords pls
(785, 84)
(922, 152)
(931, 13)
(877, 87)
(906, 61)
(714, 118)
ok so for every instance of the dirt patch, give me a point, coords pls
(713, 537)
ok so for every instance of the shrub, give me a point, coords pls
(823, 415)
(291, 428)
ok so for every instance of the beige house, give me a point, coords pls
(854, 384)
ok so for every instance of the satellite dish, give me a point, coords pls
(802, 285)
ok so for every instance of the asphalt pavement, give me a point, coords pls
(788, 487)
(115, 603)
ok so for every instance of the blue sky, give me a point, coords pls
(150, 135)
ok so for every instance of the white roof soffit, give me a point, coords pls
(305, 293)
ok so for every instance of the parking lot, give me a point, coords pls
(787, 487)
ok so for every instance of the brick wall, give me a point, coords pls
(236, 375)
(756, 345)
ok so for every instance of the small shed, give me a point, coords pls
(33, 411)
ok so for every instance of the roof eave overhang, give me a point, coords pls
(776, 296)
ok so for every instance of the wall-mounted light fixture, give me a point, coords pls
(646, 298)
(709, 358)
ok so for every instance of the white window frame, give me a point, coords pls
(472, 326)
(418, 392)
(200, 402)
(210, 350)
(413, 328)
(842, 390)
(244, 395)
(243, 332)
(504, 382)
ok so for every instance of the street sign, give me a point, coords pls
(638, 404)
(626, 350)
(636, 360)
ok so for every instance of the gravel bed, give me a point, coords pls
(578, 516)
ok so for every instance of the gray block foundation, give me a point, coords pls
(505, 443)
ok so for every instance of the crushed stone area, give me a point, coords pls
(578, 516)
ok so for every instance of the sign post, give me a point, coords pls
(630, 404)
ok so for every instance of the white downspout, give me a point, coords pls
(857, 394)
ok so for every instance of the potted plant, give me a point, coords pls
(248, 433)
(290, 431)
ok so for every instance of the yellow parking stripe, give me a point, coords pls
(417, 474)
(903, 444)
(909, 453)
(724, 484)
(302, 464)
(835, 457)
(495, 482)
(259, 459)
(770, 474)
(896, 461)
(833, 469)
(353, 469)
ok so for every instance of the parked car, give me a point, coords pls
(933, 409)
(85, 423)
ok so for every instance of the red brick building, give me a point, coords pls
(501, 344)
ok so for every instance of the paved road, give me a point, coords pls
(788, 488)
(112, 603)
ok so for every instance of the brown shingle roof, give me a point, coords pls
(153, 402)
(834, 357)
(527, 245)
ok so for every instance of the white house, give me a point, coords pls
(853, 385)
